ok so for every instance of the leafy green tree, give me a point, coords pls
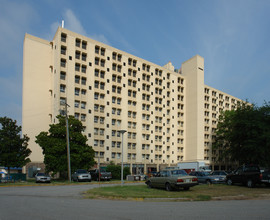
(116, 171)
(13, 147)
(243, 135)
(54, 146)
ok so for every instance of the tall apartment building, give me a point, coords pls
(170, 115)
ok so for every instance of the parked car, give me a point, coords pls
(266, 177)
(172, 179)
(42, 178)
(219, 173)
(206, 177)
(81, 175)
(248, 175)
(103, 175)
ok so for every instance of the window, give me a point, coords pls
(62, 101)
(119, 101)
(102, 51)
(83, 104)
(101, 120)
(62, 88)
(76, 104)
(63, 37)
(77, 67)
(77, 54)
(96, 84)
(63, 50)
(83, 116)
(96, 61)
(84, 45)
(83, 81)
(102, 74)
(77, 91)
(96, 119)
(95, 131)
(102, 63)
(119, 57)
(62, 75)
(102, 86)
(96, 107)
(97, 49)
(78, 43)
(96, 72)
(77, 115)
(77, 79)
(83, 69)
(63, 63)
(84, 56)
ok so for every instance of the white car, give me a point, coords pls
(42, 178)
(81, 175)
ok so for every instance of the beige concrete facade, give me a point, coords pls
(169, 114)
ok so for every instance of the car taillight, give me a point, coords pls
(194, 179)
(261, 176)
(180, 180)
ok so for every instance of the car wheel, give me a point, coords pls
(78, 179)
(168, 187)
(250, 184)
(229, 182)
(149, 184)
(186, 188)
(208, 182)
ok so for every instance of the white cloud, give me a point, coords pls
(100, 37)
(73, 23)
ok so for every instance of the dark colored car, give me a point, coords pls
(103, 175)
(206, 177)
(248, 175)
(266, 177)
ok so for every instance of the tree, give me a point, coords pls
(116, 171)
(13, 147)
(54, 146)
(243, 135)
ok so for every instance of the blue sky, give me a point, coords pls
(232, 36)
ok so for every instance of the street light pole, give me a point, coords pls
(68, 147)
(122, 165)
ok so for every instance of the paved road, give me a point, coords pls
(66, 202)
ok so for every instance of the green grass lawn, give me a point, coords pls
(197, 193)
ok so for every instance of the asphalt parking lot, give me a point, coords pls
(67, 202)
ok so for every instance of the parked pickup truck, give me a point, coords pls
(103, 175)
(248, 175)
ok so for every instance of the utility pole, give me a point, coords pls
(122, 165)
(68, 147)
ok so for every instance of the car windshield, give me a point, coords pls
(205, 173)
(179, 173)
(81, 171)
(41, 174)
